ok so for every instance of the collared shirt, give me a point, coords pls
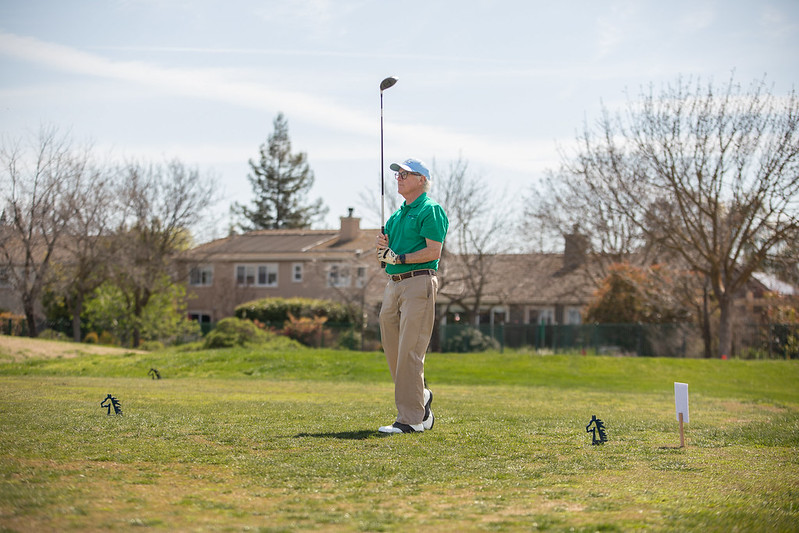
(410, 225)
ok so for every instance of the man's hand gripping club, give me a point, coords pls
(386, 254)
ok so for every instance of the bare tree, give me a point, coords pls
(88, 245)
(709, 175)
(160, 204)
(480, 230)
(38, 185)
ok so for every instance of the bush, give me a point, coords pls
(307, 331)
(51, 334)
(470, 340)
(350, 340)
(91, 338)
(234, 331)
(279, 310)
(12, 324)
(107, 339)
(152, 346)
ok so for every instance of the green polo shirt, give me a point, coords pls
(408, 228)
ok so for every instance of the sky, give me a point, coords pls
(505, 86)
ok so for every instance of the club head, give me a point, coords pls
(388, 82)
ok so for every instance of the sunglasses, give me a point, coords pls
(403, 175)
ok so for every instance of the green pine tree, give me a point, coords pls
(280, 181)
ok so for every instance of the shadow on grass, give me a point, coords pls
(362, 434)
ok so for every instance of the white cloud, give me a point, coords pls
(211, 84)
(777, 23)
(613, 28)
(234, 88)
(699, 18)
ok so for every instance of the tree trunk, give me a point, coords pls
(705, 323)
(77, 310)
(138, 311)
(30, 317)
(725, 326)
(136, 341)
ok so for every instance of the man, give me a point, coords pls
(410, 250)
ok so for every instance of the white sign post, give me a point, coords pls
(681, 405)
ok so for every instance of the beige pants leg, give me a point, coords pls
(406, 324)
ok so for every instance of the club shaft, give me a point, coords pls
(382, 170)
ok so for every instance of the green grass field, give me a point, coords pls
(285, 440)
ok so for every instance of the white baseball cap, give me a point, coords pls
(412, 165)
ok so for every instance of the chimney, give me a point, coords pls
(350, 227)
(574, 250)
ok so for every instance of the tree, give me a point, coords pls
(88, 246)
(280, 181)
(480, 229)
(635, 295)
(160, 204)
(707, 175)
(163, 318)
(38, 183)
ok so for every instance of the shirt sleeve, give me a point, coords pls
(435, 224)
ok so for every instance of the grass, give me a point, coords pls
(285, 440)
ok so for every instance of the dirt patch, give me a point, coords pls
(22, 348)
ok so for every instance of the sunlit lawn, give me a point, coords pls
(283, 441)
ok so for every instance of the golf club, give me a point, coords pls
(385, 84)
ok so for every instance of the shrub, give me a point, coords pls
(305, 330)
(12, 324)
(234, 331)
(278, 310)
(151, 346)
(107, 338)
(91, 338)
(51, 334)
(470, 340)
(350, 340)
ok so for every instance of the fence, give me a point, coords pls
(657, 340)
(661, 340)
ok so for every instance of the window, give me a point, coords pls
(201, 276)
(296, 272)
(202, 318)
(267, 275)
(338, 276)
(499, 315)
(546, 316)
(257, 275)
(360, 278)
(573, 315)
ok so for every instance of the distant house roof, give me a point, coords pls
(284, 244)
(775, 285)
(529, 279)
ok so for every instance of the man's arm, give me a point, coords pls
(431, 252)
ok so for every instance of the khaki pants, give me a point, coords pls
(406, 324)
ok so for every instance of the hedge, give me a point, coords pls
(277, 310)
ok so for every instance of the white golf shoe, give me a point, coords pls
(429, 419)
(399, 427)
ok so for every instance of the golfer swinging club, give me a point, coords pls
(410, 250)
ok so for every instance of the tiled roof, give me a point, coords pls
(526, 279)
(284, 242)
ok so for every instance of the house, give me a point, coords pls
(522, 289)
(340, 265)
(327, 264)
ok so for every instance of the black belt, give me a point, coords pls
(412, 274)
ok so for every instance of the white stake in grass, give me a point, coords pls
(681, 406)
